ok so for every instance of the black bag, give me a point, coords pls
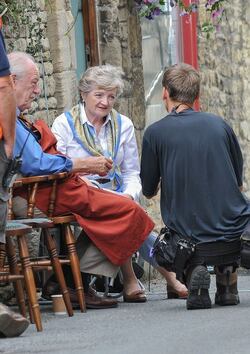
(165, 247)
(172, 251)
(184, 253)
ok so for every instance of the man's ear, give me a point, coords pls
(165, 94)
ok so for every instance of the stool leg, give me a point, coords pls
(29, 281)
(75, 265)
(14, 269)
(51, 246)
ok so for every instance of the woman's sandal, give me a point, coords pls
(174, 294)
(135, 296)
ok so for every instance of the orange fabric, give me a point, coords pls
(115, 224)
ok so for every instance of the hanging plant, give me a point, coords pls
(213, 8)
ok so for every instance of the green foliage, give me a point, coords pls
(23, 17)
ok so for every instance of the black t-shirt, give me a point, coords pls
(4, 64)
(197, 159)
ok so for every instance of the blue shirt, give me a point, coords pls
(4, 63)
(35, 161)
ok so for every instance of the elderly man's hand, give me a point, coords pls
(99, 165)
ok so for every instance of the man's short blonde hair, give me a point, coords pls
(182, 82)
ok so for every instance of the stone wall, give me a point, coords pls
(225, 65)
(42, 33)
(120, 44)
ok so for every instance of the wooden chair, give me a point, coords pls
(32, 185)
(12, 273)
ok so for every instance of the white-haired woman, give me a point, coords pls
(106, 139)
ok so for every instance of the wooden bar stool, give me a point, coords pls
(32, 184)
(18, 230)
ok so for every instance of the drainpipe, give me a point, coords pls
(189, 41)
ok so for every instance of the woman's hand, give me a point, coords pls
(99, 165)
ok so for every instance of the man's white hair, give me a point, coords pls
(18, 63)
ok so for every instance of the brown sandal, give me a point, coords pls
(174, 294)
(135, 296)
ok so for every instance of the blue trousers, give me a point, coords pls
(146, 247)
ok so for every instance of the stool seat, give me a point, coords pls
(14, 228)
(37, 222)
(63, 219)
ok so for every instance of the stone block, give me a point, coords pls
(52, 102)
(49, 81)
(66, 91)
(55, 6)
(20, 45)
(45, 44)
(48, 68)
(60, 45)
(41, 4)
(245, 129)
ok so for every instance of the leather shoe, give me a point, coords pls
(92, 299)
(11, 323)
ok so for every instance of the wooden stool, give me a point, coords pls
(18, 230)
(32, 184)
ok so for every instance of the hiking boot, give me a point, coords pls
(226, 283)
(198, 286)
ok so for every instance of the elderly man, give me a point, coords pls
(11, 324)
(197, 160)
(115, 224)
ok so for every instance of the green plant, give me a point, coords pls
(22, 16)
(213, 8)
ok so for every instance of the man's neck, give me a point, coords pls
(178, 106)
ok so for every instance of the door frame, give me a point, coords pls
(90, 32)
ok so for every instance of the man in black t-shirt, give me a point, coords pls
(11, 324)
(196, 159)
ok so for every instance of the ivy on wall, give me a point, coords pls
(23, 17)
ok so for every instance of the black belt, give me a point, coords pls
(102, 180)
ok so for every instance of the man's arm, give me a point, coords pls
(150, 171)
(7, 114)
(236, 156)
(7, 102)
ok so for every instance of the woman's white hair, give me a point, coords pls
(18, 63)
(107, 77)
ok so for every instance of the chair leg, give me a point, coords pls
(29, 281)
(75, 265)
(51, 246)
(14, 269)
